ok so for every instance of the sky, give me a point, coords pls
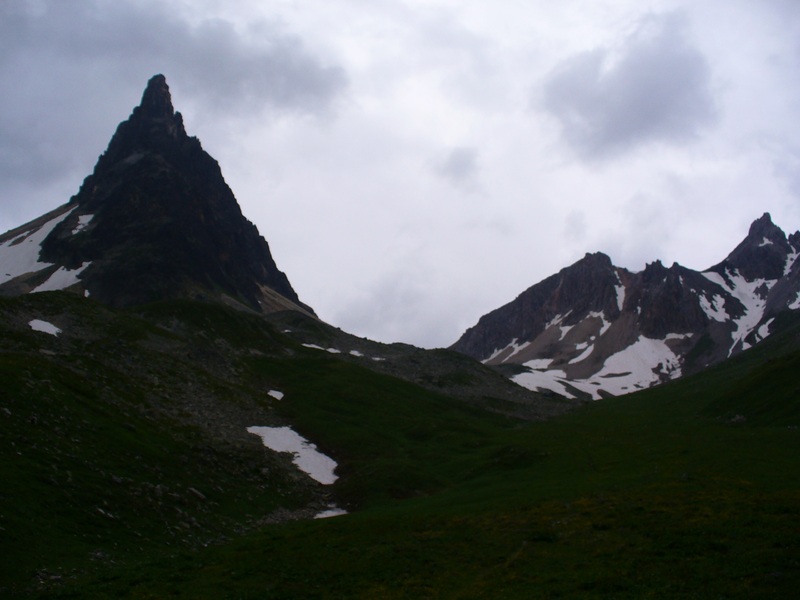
(416, 164)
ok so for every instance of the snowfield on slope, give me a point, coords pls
(21, 254)
(304, 454)
(636, 367)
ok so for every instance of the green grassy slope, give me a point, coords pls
(691, 489)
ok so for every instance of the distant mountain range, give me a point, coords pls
(594, 329)
(154, 220)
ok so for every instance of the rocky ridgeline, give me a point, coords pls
(597, 329)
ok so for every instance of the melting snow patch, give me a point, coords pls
(620, 294)
(330, 512)
(790, 260)
(746, 292)
(305, 454)
(542, 380)
(605, 325)
(711, 310)
(275, 394)
(584, 355)
(356, 353)
(315, 347)
(765, 242)
(677, 336)
(44, 327)
(763, 331)
(61, 279)
(83, 221)
(21, 255)
(796, 304)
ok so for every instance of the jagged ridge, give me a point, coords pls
(597, 329)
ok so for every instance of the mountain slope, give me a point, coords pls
(155, 220)
(596, 329)
(685, 490)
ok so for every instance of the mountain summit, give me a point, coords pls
(595, 329)
(154, 220)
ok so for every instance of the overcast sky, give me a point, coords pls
(415, 164)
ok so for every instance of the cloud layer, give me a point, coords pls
(655, 87)
(415, 165)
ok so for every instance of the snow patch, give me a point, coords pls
(83, 221)
(556, 320)
(333, 511)
(796, 304)
(304, 454)
(754, 304)
(356, 353)
(536, 380)
(765, 242)
(315, 347)
(61, 279)
(275, 394)
(677, 336)
(638, 366)
(710, 308)
(605, 324)
(790, 260)
(763, 331)
(515, 348)
(21, 255)
(584, 355)
(620, 294)
(44, 327)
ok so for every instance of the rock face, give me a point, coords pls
(596, 329)
(154, 220)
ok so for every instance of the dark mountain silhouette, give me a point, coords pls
(155, 220)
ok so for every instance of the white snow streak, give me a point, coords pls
(585, 354)
(333, 511)
(305, 454)
(83, 221)
(61, 279)
(543, 380)
(763, 331)
(796, 304)
(711, 309)
(315, 347)
(23, 257)
(44, 327)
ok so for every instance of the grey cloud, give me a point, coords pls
(459, 166)
(72, 70)
(656, 88)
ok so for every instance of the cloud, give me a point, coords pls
(459, 166)
(68, 67)
(655, 88)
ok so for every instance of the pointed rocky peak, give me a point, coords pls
(153, 128)
(794, 241)
(156, 101)
(156, 220)
(762, 254)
